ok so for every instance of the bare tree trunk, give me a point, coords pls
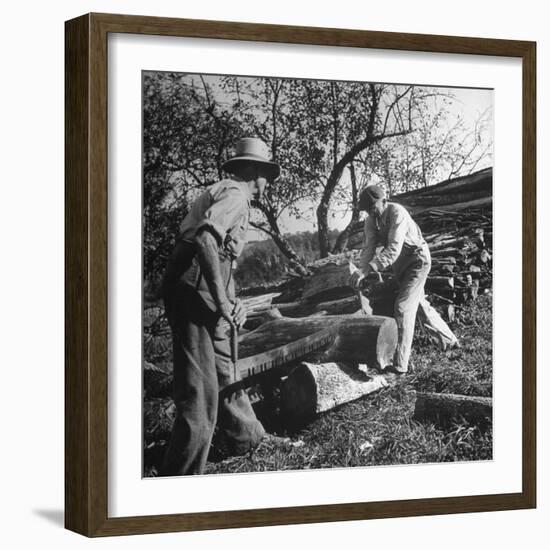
(350, 155)
(342, 241)
(286, 248)
(279, 239)
(322, 227)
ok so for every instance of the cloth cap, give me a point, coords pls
(370, 195)
(252, 150)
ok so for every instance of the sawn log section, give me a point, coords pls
(371, 340)
(312, 388)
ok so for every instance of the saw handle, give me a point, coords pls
(234, 349)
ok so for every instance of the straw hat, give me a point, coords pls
(252, 150)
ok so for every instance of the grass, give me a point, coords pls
(379, 429)
(466, 370)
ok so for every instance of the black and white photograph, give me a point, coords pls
(317, 274)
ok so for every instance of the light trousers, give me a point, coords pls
(411, 270)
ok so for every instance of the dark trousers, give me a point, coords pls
(202, 369)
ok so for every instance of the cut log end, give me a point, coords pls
(311, 389)
(371, 340)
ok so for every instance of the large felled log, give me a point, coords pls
(485, 202)
(443, 199)
(311, 388)
(328, 283)
(259, 303)
(444, 408)
(347, 305)
(481, 180)
(280, 342)
(295, 309)
(259, 317)
(371, 340)
(331, 283)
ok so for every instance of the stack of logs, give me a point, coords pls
(456, 220)
(461, 249)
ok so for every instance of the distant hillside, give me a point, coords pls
(262, 262)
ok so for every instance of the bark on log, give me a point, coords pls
(331, 283)
(295, 309)
(457, 243)
(486, 202)
(350, 305)
(259, 303)
(476, 181)
(438, 200)
(258, 318)
(444, 408)
(279, 343)
(311, 389)
(371, 340)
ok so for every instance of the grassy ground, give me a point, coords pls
(379, 428)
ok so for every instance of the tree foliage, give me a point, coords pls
(330, 138)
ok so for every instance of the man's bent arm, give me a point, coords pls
(207, 255)
(370, 236)
(396, 238)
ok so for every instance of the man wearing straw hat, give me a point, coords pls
(390, 226)
(199, 297)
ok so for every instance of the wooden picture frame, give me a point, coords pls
(86, 223)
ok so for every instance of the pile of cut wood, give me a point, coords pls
(456, 219)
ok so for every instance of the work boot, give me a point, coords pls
(390, 369)
(272, 441)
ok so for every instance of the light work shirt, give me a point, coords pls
(394, 230)
(224, 209)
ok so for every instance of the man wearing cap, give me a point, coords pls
(200, 303)
(390, 226)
